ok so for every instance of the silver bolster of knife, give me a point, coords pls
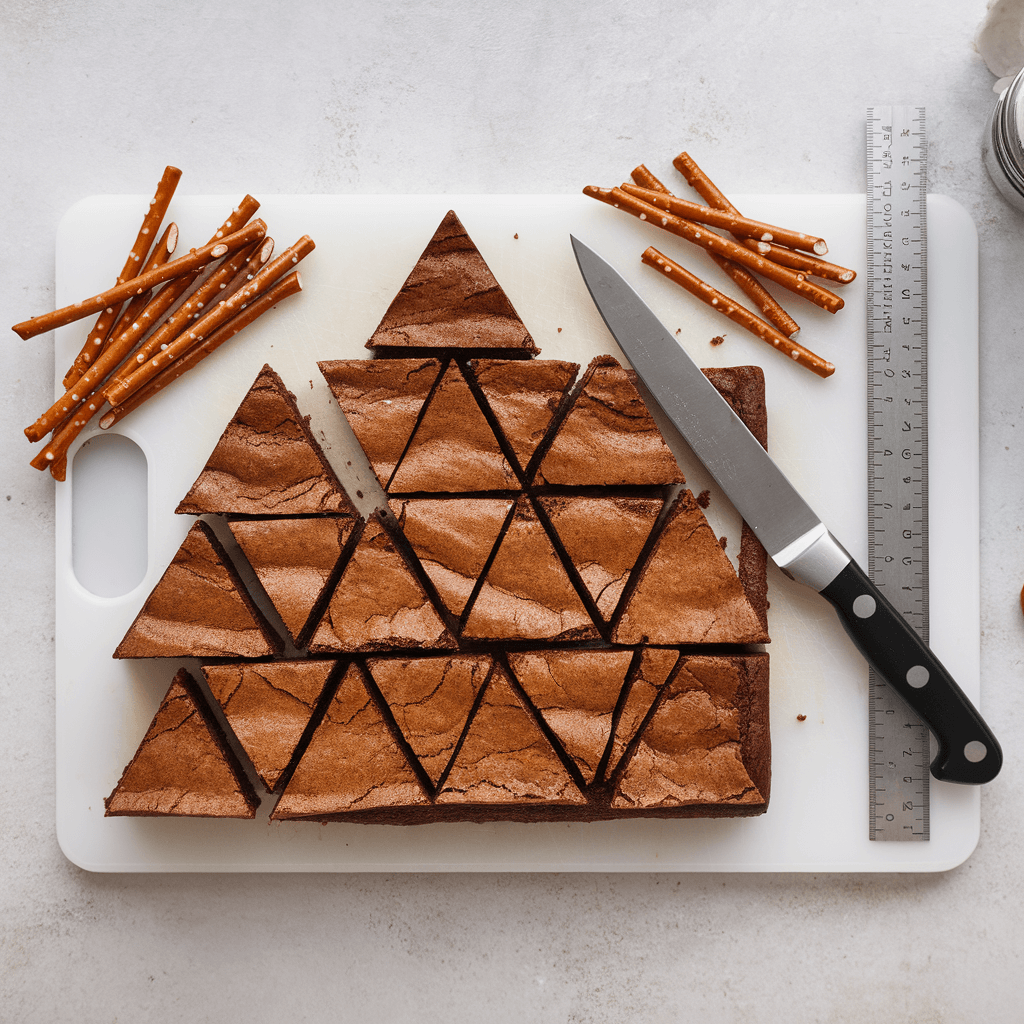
(815, 558)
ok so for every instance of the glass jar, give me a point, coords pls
(1003, 146)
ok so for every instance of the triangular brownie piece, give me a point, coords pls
(352, 763)
(199, 609)
(655, 665)
(505, 758)
(294, 559)
(691, 752)
(378, 604)
(609, 436)
(527, 594)
(576, 693)
(382, 400)
(453, 448)
(268, 706)
(687, 592)
(431, 699)
(267, 462)
(524, 395)
(451, 300)
(453, 538)
(603, 537)
(183, 765)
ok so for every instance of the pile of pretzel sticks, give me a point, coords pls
(161, 317)
(786, 257)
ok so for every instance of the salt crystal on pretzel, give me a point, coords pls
(749, 284)
(737, 313)
(744, 227)
(195, 260)
(716, 243)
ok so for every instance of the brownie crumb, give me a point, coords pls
(559, 330)
(801, 718)
(516, 235)
(359, 494)
(718, 339)
(704, 499)
(722, 542)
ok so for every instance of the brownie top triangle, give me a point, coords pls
(184, 765)
(431, 700)
(294, 560)
(453, 448)
(693, 749)
(527, 594)
(353, 761)
(603, 537)
(267, 461)
(608, 436)
(687, 591)
(524, 396)
(576, 692)
(268, 706)
(378, 603)
(382, 400)
(504, 757)
(451, 300)
(452, 538)
(199, 608)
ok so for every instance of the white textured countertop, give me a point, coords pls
(478, 97)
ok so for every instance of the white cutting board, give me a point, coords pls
(366, 245)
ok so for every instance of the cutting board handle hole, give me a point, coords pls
(109, 512)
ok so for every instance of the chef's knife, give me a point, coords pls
(794, 536)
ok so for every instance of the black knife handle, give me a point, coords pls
(968, 752)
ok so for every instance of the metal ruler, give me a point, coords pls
(899, 753)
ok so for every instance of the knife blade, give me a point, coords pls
(795, 537)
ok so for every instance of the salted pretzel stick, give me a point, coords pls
(743, 227)
(122, 345)
(716, 243)
(54, 455)
(702, 184)
(195, 260)
(247, 260)
(289, 286)
(162, 252)
(749, 284)
(647, 179)
(737, 313)
(150, 225)
(116, 393)
(802, 262)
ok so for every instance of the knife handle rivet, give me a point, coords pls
(864, 606)
(918, 676)
(975, 751)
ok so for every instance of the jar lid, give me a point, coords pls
(1008, 132)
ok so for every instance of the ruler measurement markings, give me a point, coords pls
(897, 449)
